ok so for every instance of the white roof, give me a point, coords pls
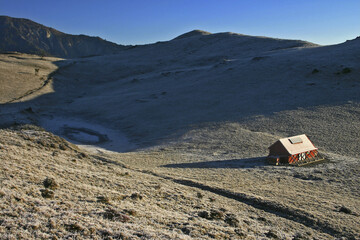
(297, 144)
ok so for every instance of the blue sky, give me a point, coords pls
(147, 21)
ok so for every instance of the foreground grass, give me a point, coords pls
(50, 189)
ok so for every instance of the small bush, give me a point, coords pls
(231, 220)
(346, 70)
(136, 196)
(47, 193)
(103, 199)
(272, 234)
(82, 155)
(315, 71)
(204, 214)
(50, 183)
(345, 210)
(115, 215)
(131, 212)
(186, 230)
(215, 214)
(63, 147)
(199, 195)
(74, 227)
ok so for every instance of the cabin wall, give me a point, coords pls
(277, 149)
(297, 157)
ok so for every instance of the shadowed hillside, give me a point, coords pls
(160, 89)
(26, 36)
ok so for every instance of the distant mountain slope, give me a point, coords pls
(23, 35)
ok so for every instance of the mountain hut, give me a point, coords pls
(296, 150)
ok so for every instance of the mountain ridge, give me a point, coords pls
(27, 36)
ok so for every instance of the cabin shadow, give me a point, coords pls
(232, 163)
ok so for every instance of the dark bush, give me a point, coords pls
(315, 71)
(47, 193)
(231, 220)
(50, 183)
(346, 70)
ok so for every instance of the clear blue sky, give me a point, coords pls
(147, 21)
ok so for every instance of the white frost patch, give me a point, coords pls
(90, 136)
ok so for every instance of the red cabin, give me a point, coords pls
(296, 150)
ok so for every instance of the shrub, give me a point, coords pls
(103, 199)
(47, 193)
(50, 183)
(232, 220)
(346, 70)
(315, 71)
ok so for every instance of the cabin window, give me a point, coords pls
(295, 140)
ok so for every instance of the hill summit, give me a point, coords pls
(193, 33)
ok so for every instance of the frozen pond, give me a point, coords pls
(87, 135)
(84, 135)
